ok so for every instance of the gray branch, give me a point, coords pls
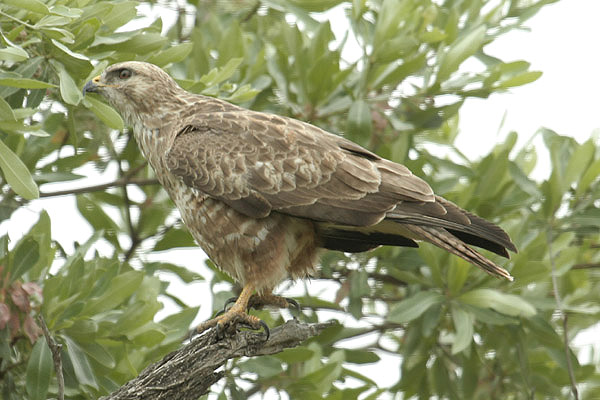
(55, 349)
(189, 372)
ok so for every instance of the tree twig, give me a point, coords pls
(104, 186)
(55, 349)
(189, 372)
(252, 12)
(586, 266)
(563, 314)
(133, 233)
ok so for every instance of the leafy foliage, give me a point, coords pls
(454, 332)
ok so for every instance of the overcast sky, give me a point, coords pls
(563, 45)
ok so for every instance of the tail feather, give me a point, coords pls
(449, 242)
(466, 226)
(356, 241)
(441, 223)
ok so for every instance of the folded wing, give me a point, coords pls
(259, 163)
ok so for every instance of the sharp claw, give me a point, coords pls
(228, 302)
(220, 330)
(293, 303)
(224, 310)
(266, 328)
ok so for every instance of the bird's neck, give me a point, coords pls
(145, 116)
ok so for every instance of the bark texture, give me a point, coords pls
(190, 371)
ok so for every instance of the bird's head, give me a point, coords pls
(137, 90)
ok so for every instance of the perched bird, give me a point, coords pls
(263, 194)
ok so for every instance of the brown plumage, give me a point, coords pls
(263, 193)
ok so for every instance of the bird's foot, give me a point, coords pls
(230, 319)
(258, 301)
(237, 314)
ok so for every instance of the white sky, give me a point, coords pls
(562, 44)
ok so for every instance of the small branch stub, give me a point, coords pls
(190, 371)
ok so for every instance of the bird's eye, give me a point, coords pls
(124, 73)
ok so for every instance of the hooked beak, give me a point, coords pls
(92, 86)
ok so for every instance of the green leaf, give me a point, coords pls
(136, 315)
(414, 306)
(589, 176)
(100, 354)
(508, 304)
(543, 331)
(70, 53)
(173, 54)
(361, 356)
(295, 355)
(13, 54)
(316, 5)
(323, 375)
(118, 15)
(360, 122)
(265, 366)
(70, 12)
(96, 216)
(6, 112)
(39, 370)
(26, 256)
(242, 94)
(16, 174)
(68, 89)
(175, 238)
(121, 287)
(3, 246)
(522, 181)
(521, 79)
(150, 334)
(393, 74)
(177, 325)
(83, 328)
(218, 75)
(394, 48)
(231, 44)
(31, 5)
(106, 113)
(580, 159)
(183, 273)
(463, 326)
(459, 51)
(25, 83)
(81, 364)
(458, 271)
(489, 316)
(387, 22)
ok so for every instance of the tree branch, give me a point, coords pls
(189, 372)
(586, 266)
(55, 349)
(104, 186)
(564, 316)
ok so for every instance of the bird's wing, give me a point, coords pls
(258, 163)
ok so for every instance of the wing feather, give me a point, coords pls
(259, 163)
(279, 164)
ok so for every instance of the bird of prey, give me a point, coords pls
(263, 194)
